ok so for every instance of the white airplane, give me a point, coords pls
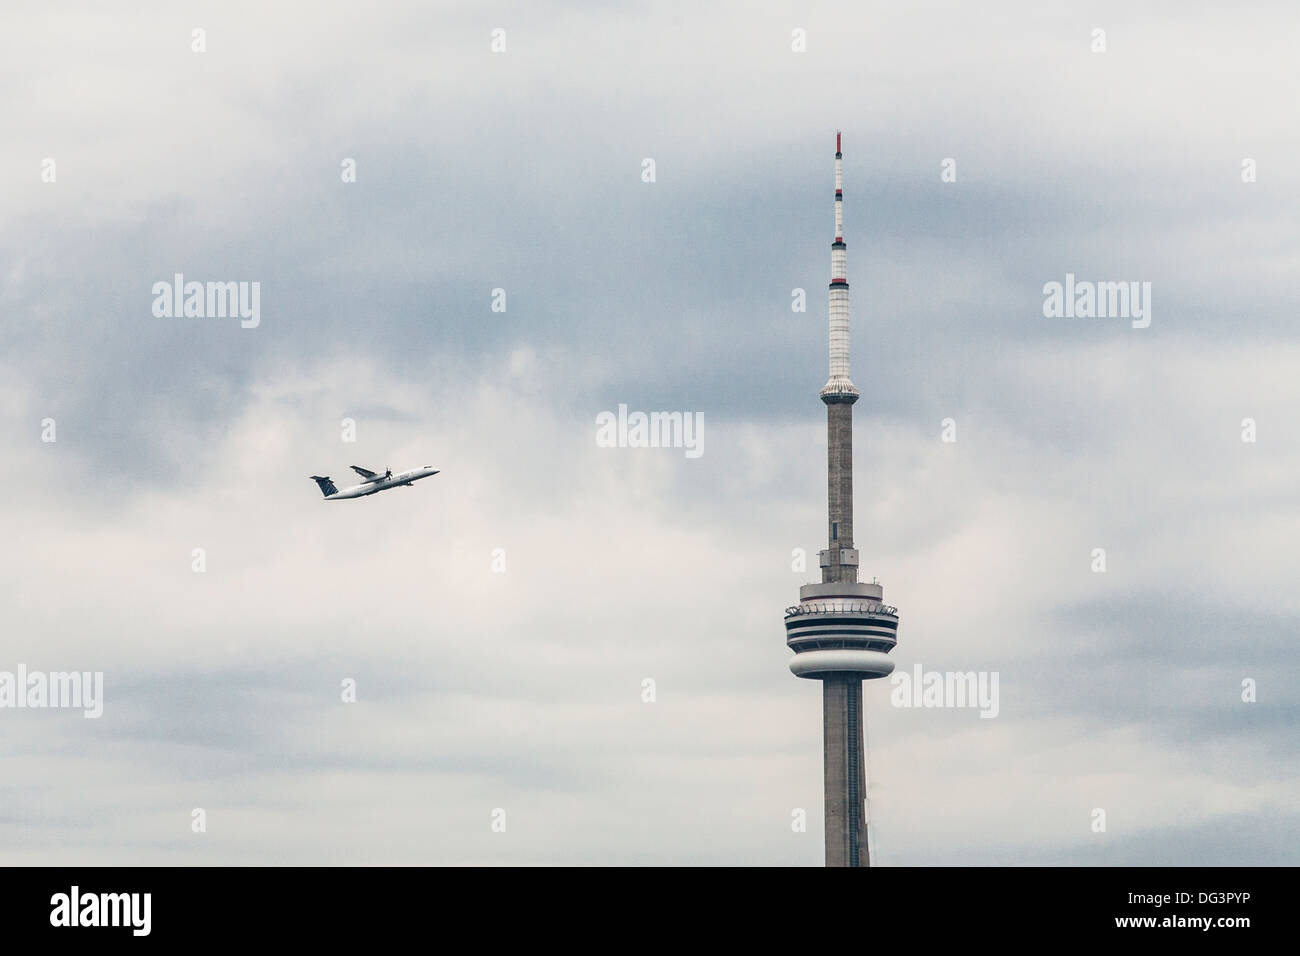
(373, 482)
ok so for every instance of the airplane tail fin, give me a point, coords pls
(326, 486)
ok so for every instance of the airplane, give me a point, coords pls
(372, 482)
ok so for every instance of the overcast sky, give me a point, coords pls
(522, 170)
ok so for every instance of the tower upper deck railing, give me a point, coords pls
(840, 605)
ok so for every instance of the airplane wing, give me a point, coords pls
(364, 473)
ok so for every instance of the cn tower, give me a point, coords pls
(841, 631)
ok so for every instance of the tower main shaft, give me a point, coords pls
(840, 630)
(843, 767)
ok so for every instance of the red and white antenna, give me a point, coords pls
(839, 383)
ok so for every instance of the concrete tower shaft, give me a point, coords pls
(846, 782)
(840, 559)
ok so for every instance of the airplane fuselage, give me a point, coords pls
(379, 484)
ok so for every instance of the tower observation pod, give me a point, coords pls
(841, 631)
